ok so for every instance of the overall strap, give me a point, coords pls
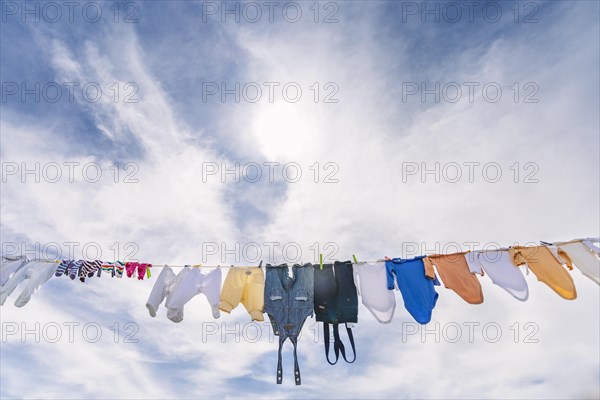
(351, 338)
(279, 369)
(338, 346)
(326, 340)
(294, 340)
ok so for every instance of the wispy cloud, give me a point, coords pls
(369, 136)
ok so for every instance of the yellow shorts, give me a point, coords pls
(244, 285)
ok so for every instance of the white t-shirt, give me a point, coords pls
(371, 282)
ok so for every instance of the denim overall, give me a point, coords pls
(336, 302)
(288, 302)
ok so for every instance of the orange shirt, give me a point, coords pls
(455, 274)
(546, 268)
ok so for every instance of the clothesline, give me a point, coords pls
(330, 292)
(200, 265)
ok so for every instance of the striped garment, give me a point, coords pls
(62, 267)
(108, 267)
(119, 268)
(73, 268)
(89, 268)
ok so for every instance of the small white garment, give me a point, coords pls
(473, 262)
(590, 244)
(35, 274)
(194, 282)
(371, 283)
(500, 269)
(9, 266)
(163, 286)
(584, 257)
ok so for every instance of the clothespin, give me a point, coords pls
(354, 258)
(387, 258)
(148, 274)
(321, 261)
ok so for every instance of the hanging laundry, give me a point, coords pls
(244, 285)
(456, 276)
(499, 267)
(35, 273)
(336, 302)
(119, 268)
(89, 268)
(590, 245)
(162, 288)
(10, 265)
(109, 268)
(141, 268)
(546, 268)
(75, 269)
(165, 286)
(372, 278)
(584, 257)
(69, 268)
(62, 267)
(415, 284)
(562, 257)
(288, 302)
(194, 282)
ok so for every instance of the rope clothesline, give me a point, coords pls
(159, 265)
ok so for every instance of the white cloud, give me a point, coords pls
(370, 212)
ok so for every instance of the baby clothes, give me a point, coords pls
(108, 268)
(119, 267)
(69, 268)
(584, 257)
(62, 268)
(88, 269)
(185, 289)
(336, 302)
(9, 266)
(288, 302)
(142, 269)
(372, 281)
(415, 284)
(35, 274)
(244, 285)
(162, 288)
(546, 268)
(455, 274)
(499, 267)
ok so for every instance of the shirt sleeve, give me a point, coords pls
(429, 270)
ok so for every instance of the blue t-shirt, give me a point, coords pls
(417, 289)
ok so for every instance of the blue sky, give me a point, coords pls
(373, 51)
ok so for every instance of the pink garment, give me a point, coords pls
(130, 268)
(142, 270)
